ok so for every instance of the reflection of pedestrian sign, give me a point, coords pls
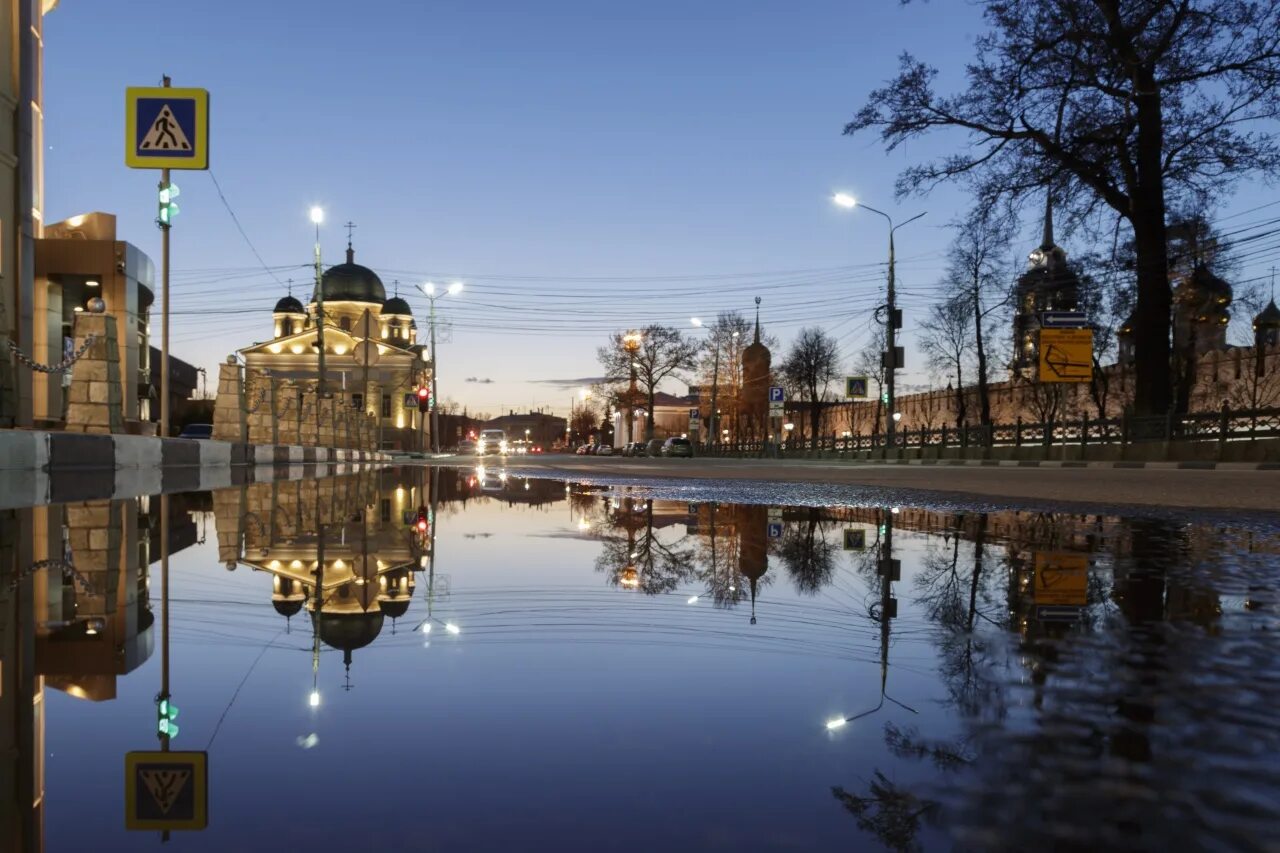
(776, 395)
(166, 128)
(775, 530)
(1066, 355)
(1062, 578)
(166, 790)
(855, 539)
(855, 387)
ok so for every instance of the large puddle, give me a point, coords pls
(461, 660)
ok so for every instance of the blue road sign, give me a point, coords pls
(694, 414)
(166, 128)
(1063, 319)
(776, 394)
(775, 530)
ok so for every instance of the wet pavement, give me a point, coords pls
(466, 659)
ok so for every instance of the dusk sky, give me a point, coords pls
(582, 167)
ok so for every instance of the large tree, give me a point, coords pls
(946, 336)
(663, 353)
(811, 365)
(1129, 105)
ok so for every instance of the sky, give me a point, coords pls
(581, 167)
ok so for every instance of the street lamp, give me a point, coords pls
(429, 290)
(889, 359)
(317, 217)
(631, 343)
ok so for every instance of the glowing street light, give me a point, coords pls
(317, 215)
(845, 200)
(836, 723)
(452, 628)
(314, 700)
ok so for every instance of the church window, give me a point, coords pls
(386, 405)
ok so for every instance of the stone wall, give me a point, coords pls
(257, 408)
(96, 398)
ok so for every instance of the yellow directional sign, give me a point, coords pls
(166, 790)
(1062, 578)
(166, 128)
(1066, 355)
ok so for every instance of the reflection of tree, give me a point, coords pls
(890, 813)
(718, 554)
(634, 555)
(806, 553)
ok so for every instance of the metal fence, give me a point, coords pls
(1225, 425)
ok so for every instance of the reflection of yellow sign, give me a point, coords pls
(1062, 578)
(1066, 355)
(166, 790)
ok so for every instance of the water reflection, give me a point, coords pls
(905, 677)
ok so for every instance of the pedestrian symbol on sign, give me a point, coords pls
(165, 134)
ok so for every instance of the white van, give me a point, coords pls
(491, 441)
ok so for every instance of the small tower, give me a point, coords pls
(756, 361)
(1049, 284)
(1266, 335)
(1124, 340)
(1201, 311)
(289, 315)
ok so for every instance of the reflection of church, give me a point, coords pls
(344, 550)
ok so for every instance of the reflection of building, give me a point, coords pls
(372, 357)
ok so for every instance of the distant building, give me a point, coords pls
(1049, 284)
(539, 427)
(756, 367)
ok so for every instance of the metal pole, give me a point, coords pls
(321, 391)
(164, 311)
(712, 435)
(892, 367)
(435, 386)
(164, 607)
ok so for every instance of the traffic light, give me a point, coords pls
(884, 396)
(166, 713)
(424, 398)
(168, 207)
(421, 523)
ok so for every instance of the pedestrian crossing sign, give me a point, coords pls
(166, 128)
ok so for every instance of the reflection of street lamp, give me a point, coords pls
(429, 290)
(893, 321)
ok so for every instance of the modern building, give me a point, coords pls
(373, 360)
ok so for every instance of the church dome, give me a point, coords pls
(352, 282)
(286, 607)
(395, 608)
(396, 305)
(289, 305)
(349, 631)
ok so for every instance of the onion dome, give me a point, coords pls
(396, 305)
(289, 305)
(349, 631)
(286, 607)
(351, 282)
(1203, 296)
(395, 608)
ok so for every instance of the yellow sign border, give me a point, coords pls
(198, 761)
(199, 160)
(1071, 587)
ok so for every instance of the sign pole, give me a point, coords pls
(164, 315)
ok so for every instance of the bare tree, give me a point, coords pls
(811, 366)
(664, 352)
(947, 339)
(870, 363)
(1131, 105)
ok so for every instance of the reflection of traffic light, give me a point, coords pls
(166, 713)
(168, 208)
(421, 523)
(424, 398)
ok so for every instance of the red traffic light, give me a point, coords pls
(424, 398)
(423, 393)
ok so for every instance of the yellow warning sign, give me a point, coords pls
(1062, 578)
(1066, 355)
(166, 790)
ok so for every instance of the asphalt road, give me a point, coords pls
(1224, 488)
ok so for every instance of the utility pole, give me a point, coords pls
(435, 387)
(317, 216)
(715, 385)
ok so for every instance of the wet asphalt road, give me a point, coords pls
(1187, 489)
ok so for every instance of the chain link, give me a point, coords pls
(62, 366)
(64, 565)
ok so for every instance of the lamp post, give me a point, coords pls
(889, 360)
(429, 290)
(317, 217)
(631, 343)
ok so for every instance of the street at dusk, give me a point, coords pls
(722, 426)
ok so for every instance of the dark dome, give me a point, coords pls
(287, 608)
(396, 609)
(352, 282)
(348, 631)
(1268, 318)
(394, 305)
(289, 305)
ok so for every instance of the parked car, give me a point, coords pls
(634, 448)
(198, 431)
(678, 447)
(604, 450)
(653, 447)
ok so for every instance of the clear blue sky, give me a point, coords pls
(537, 151)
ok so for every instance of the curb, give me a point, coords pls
(1187, 465)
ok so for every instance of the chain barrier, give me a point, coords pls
(62, 366)
(66, 568)
(263, 388)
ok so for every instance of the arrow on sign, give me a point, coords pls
(1062, 365)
